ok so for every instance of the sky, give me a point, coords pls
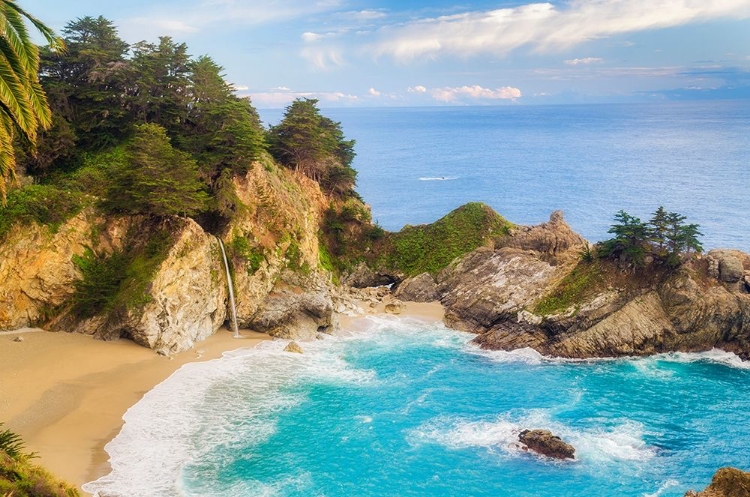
(374, 53)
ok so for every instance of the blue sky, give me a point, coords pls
(442, 52)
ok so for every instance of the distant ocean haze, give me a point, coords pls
(417, 164)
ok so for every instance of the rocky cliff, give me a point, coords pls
(537, 288)
(172, 289)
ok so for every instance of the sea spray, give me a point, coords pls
(402, 407)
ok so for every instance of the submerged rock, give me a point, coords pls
(294, 348)
(727, 482)
(545, 443)
(18, 339)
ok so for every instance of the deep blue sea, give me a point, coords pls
(417, 164)
(404, 408)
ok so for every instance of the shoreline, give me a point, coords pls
(66, 393)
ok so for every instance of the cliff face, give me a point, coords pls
(36, 267)
(532, 290)
(174, 292)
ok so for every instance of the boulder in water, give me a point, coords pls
(545, 443)
(294, 348)
(727, 482)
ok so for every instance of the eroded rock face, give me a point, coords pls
(36, 267)
(703, 305)
(295, 309)
(421, 288)
(491, 286)
(727, 482)
(186, 298)
(363, 277)
(545, 443)
(553, 240)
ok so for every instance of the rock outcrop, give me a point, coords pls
(36, 267)
(296, 309)
(533, 290)
(294, 348)
(421, 288)
(545, 443)
(273, 248)
(727, 482)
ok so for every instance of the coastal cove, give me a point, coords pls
(404, 405)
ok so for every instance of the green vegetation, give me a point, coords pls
(119, 281)
(20, 478)
(155, 178)
(665, 237)
(42, 204)
(430, 248)
(240, 248)
(580, 283)
(23, 105)
(309, 142)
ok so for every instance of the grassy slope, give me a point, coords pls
(431, 247)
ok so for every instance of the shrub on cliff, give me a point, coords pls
(155, 178)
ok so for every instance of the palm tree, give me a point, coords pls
(23, 105)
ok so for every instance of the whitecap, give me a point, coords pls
(716, 356)
(665, 486)
(594, 446)
(203, 407)
(438, 178)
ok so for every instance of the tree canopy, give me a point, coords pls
(313, 144)
(665, 236)
(155, 178)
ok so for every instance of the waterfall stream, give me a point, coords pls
(232, 306)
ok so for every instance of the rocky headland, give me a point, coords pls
(534, 287)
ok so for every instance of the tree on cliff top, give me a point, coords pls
(155, 178)
(23, 105)
(313, 144)
(665, 236)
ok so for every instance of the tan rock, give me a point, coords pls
(727, 482)
(294, 348)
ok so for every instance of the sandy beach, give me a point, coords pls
(65, 394)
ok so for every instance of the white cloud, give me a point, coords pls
(282, 96)
(373, 92)
(417, 89)
(309, 37)
(544, 26)
(584, 61)
(195, 15)
(323, 57)
(452, 94)
(241, 87)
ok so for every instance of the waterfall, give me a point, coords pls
(232, 306)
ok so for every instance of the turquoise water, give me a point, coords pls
(417, 164)
(401, 407)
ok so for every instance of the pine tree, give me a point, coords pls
(155, 178)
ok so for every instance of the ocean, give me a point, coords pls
(417, 164)
(405, 408)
